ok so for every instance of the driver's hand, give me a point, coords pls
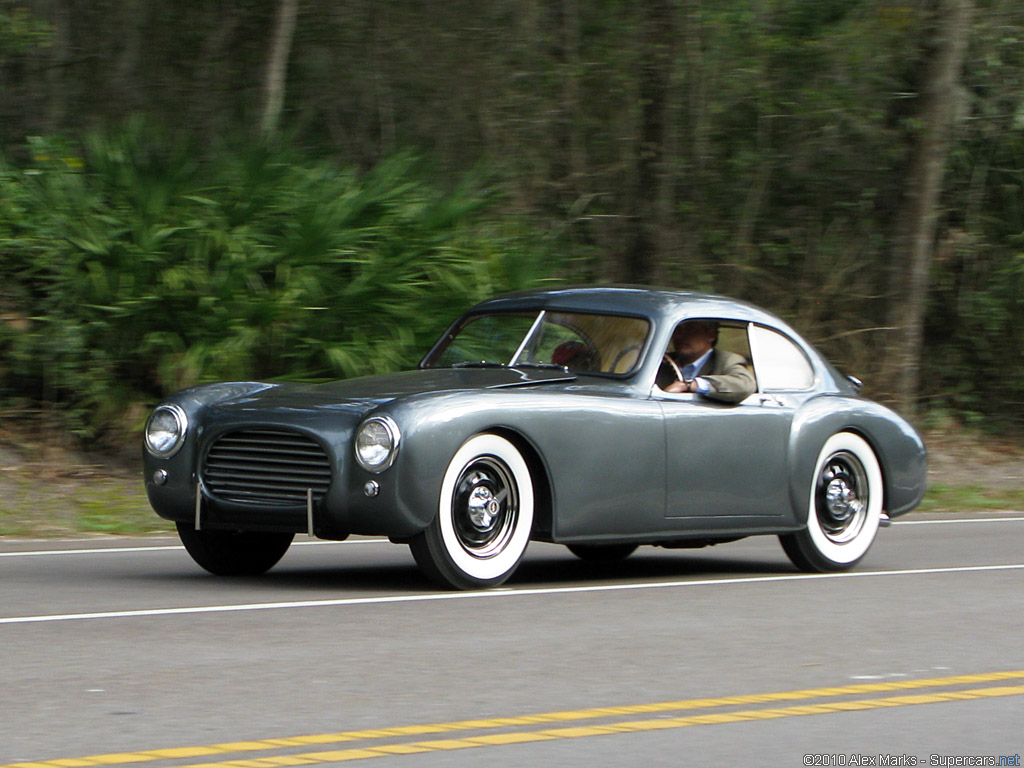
(681, 386)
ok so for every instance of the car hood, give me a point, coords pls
(362, 394)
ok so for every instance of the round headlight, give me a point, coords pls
(165, 431)
(376, 443)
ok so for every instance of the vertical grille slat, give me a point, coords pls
(266, 466)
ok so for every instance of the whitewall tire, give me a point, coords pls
(845, 507)
(484, 518)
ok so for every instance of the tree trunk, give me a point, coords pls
(60, 53)
(696, 151)
(655, 79)
(213, 78)
(277, 67)
(128, 75)
(915, 243)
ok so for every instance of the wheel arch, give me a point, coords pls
(543, 514)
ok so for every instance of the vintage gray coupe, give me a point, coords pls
(543, 415)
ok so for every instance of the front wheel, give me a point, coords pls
(484, 517)
(234, 553)
(845, 507)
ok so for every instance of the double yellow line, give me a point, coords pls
(520, 730)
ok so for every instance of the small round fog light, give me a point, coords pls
(372, 488)
(160, 477)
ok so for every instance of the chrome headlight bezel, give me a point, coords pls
(165, 448)
(376, 443)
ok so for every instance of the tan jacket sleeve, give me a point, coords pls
(730, 377)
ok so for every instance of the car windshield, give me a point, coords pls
(581, 342)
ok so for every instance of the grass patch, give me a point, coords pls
(115, 509)
(966, 498)
(39, 506)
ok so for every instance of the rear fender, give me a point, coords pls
(898, 447)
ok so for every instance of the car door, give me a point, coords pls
(727, 465)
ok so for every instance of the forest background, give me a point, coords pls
(307, 189)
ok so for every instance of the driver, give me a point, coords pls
(692, 364)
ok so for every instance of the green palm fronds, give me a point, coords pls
(139, 270)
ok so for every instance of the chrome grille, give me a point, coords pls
(266, 466)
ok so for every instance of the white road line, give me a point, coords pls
(498, 593)
(96, 551)
(165, 548)
(900, 521)
(178, 547)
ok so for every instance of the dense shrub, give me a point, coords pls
(132, 269)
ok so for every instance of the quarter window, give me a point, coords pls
(780, 364)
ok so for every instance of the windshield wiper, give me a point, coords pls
(478, 364)
(545, 366)
(490, 364)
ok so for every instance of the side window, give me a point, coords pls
(780, 364)
(696, 336)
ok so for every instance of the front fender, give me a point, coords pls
(432, 430)
(598, 462)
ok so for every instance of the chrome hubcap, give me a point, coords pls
(485, 507)
(842, 497)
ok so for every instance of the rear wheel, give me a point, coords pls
(234, 553)
(845, 507)
(484, 518)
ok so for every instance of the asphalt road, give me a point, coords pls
(121, 651)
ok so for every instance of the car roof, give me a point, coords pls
(654, 303)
